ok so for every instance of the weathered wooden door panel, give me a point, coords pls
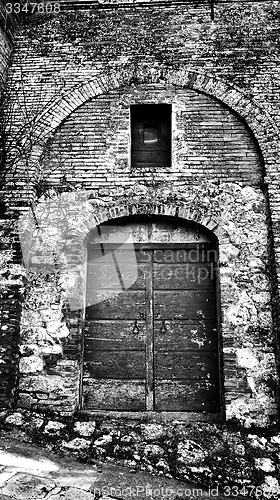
(185, 323)
(116, 365)
(185, 334)
(189, 254)
(100, 276)
(189, 304)
(185, 365)
(120, 395)
(106, 252)
(114, 335)
(115, 331)
(155, 344)
(187, 276)
(186, 395)
(124, 305)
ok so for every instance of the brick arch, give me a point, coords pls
(255, 116)
(184, 213)
(191, 211)
(88, 217)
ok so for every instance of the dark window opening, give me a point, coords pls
(150, 135)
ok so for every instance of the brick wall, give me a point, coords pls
(5, 50)
(8, 23)
(10, 274)
(80, 70)
(93, 144)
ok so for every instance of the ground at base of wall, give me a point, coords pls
(243, 462)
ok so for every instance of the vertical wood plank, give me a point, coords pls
(186, 373)
(150, 335)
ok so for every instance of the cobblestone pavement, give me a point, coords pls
(31, 473)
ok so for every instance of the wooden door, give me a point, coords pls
(154, 346)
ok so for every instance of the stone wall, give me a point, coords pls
(10, 274)
(80, 69)
(236, 462)
(231, 211)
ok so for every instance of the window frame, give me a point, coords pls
(165, 109)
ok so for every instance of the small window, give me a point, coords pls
(150, 135)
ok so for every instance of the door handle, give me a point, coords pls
(135, 330)
(163, 327)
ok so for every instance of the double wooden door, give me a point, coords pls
(152, 346)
